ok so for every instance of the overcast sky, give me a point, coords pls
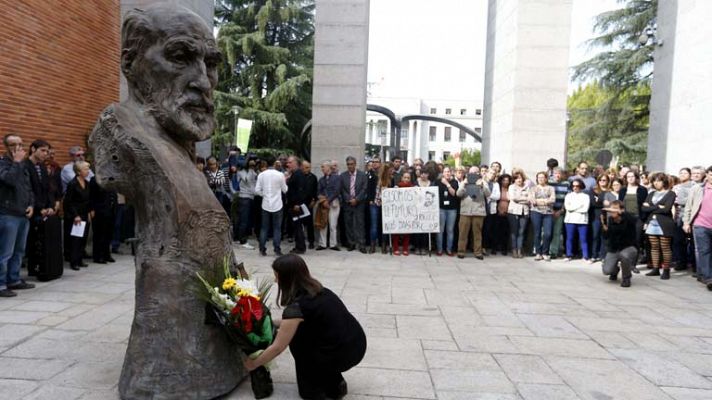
(436, 49)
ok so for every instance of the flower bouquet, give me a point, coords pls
(239, 305)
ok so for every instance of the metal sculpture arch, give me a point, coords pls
(396, 124)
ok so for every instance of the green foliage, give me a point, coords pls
(613, 112)
(468, 158)
(268, 69)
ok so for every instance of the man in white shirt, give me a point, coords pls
(270, 185)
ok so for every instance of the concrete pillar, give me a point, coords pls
(526, 82)
(340, 72)
(682, 89)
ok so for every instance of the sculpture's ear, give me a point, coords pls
(128, 56)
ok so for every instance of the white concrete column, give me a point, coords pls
(340, 71)
(680, 116)
(526, 82)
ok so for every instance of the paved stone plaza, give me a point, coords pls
(438, 328)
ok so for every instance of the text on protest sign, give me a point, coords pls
(410, 210)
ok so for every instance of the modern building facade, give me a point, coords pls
(680, 117)
(427, 140)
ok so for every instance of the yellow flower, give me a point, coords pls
(229, 283)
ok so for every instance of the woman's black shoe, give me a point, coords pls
(110, 259)
(666, 274)
(74, 267)
(83, 265)
(654, 272)
(99, 262)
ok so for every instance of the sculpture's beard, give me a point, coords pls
(184, 116)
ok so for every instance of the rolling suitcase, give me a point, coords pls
(45, 259)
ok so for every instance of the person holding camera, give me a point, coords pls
(618, 230)
(473, 208)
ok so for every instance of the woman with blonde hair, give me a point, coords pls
(77, 211)
(542, 198)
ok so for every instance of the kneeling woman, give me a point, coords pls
(323, 337)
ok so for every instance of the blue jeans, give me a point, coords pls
(245, 210)
(273, 220)
(375, 213)
(13, 237)
(517, 229)
(571, 230)
(703, 248)
(447, 226)
(599, 245)
(542, 240)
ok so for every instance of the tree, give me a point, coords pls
(613, 113)
(268, 69)
(467, 157)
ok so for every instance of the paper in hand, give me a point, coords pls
(78, 229)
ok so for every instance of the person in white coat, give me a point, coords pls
(576, 205)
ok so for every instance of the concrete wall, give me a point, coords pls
(680, 117)
(204, 8)
(526, 80)
(340, 71)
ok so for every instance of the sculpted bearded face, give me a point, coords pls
(169, 58)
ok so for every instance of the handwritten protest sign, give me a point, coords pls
(410, 210)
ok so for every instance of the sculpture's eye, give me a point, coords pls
(114, 158)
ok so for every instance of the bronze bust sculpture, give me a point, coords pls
(144, 149)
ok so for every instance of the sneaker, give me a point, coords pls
(567, 259)
(248, 246)
(20, 286)
(538, 257)
(546, 258)
(7, 293)
(626, 282)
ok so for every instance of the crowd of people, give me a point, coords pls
(621, 216)
(35, 191)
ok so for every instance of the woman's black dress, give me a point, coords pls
(328, 342)
(76, 203)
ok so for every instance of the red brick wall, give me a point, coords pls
(59, 67)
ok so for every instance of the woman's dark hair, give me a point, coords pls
(689, 171)
(662, 177)
(582, 185)
(503, 177)
(293, 277)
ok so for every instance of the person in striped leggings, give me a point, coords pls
(660, 226)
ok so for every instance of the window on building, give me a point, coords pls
(446, 155)
(463, 111)
(431, 155)
(448, 133)
(433, 110)
(433, 133)
(463, 135)
(478, 111)
(478, 130)
(448, 111)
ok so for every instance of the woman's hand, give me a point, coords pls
(77, 220)
(250, 364)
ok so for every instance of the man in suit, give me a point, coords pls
(353, 201)
(45, 204)
(312, 186)
(296, 197)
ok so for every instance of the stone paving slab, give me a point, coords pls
(437, 327)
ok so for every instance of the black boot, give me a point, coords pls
(654, 272)
(666, 274)
(625, 282)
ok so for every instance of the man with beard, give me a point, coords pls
(144, 149)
